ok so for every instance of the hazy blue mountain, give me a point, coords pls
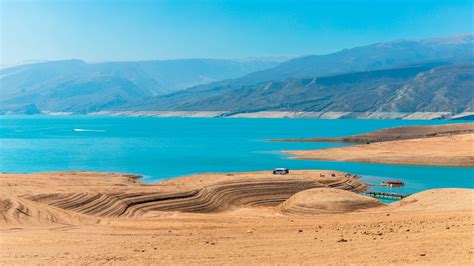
(79, 87)
(76, 86)
(364, 58)
(284, 86)
(433, 87)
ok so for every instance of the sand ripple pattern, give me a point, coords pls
(211, 198)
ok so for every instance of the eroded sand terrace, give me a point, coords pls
(238, 218)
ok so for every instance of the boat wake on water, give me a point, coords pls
(87, 130)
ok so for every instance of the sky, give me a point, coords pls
(106, 30)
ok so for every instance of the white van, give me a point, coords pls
(281, 171)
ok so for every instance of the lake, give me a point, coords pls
(161, 148)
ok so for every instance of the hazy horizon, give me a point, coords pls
(281, 58)
(105, 31)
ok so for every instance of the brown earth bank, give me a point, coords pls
(453, 150)
(396, 133)
(306, 217)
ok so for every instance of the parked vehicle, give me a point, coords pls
(281, 171)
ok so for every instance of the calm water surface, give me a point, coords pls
(161, 148)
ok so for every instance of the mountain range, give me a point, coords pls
(429, 75)
(430, 87)
(80, 87)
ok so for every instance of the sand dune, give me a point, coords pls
(326, 200)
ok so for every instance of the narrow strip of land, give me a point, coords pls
(457, 150)
(441, 145)
(396, 133)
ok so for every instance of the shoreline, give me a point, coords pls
(275, 114)
(81, 217)
(395, 133)
(442, 145)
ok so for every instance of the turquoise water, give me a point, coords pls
(161, 148)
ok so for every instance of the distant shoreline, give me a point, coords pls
(276, 114)
(395, 133)
(442, 145)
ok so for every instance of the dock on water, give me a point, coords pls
(385, 195)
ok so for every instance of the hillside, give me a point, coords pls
(432, 87)
(364, 58)
(430, 75)
(80, 87)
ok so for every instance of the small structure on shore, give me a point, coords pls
(281, 171)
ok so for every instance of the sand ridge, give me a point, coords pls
(115, 195)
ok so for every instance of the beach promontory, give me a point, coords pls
(444, 145)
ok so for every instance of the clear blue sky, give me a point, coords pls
(139, 30)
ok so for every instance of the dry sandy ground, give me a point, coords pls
(241, 218)
(456, 150)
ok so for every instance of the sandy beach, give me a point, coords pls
(305, 217)
(446, 145)
(444, 151)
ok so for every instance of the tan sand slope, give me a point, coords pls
(326, 200)
(398, 133)
(457, 150)
(114, 195)
(18, 211)
(251, 229)
(443, 200)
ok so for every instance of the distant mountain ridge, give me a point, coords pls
(364, 58)
(366, 79)
(77, 86)
(431, 87)
(430, 75)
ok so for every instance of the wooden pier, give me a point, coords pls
(385, 195)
